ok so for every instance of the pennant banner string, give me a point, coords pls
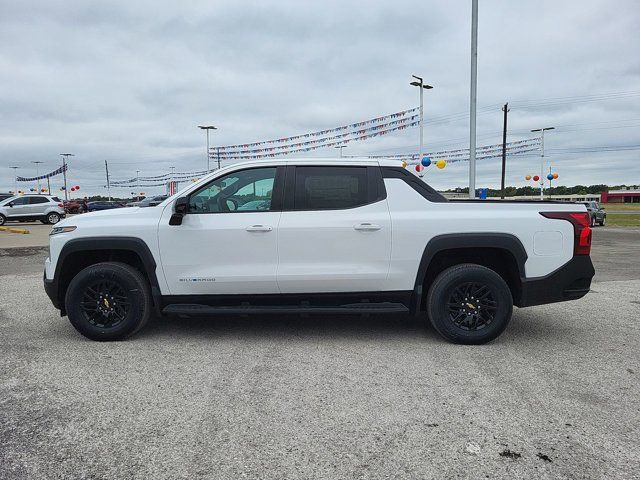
(320, 132)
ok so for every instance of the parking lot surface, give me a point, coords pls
(556, 396)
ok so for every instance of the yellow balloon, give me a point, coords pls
(555, 176)
(404, 164)
(441, 164)
(528, 177)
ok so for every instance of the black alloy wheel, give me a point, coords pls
(472, 306)
(469, 304)
(108, 301)
(105, 304)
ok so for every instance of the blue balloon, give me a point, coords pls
(426, 161)
(550, 176)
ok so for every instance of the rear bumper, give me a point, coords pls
(569, 282)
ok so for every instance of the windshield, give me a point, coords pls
(8, 200)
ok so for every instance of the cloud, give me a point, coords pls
(129, 81)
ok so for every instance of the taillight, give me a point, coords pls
(581, 229)
(61, 205)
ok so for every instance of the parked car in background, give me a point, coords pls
(27, 208)
(72, 206)
(132, 204)
(153, 201)
(103, 205)
(596, 213)
(4, 196)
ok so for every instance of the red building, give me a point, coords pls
(621, 196)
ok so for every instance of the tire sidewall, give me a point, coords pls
(3, 219)
(441, 290)
(137, 297)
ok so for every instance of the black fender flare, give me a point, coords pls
(132, 244)
(439, 243)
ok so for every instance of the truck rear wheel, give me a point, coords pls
(108, 301)
(469, 304)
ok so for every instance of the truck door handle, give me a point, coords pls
(258, 228)
(369, 227)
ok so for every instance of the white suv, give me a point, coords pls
(45, 208)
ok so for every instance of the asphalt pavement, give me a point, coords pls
(556, 396)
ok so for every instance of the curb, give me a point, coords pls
(14, 230)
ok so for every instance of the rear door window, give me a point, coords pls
(36, 200)
(330, 188)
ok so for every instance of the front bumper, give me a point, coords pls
(51, 289)
(569, 282)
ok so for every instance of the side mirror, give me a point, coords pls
(179, 211)
(10, 204)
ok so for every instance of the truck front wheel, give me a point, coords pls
(469, 304)
(108, 301)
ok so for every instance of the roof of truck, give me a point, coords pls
(355, 161)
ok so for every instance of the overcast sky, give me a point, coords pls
(129, 81)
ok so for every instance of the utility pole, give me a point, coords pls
(505, 109)
(473, 98)
(15, 179)
(49, 185)
(106, 169)
(38, 162)
(340, 147)
(207, 128)
(542, 130)
(138, 185)
(423, 86)
(65, 157)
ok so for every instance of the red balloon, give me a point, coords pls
(418, 168)
(77, 187)
(536, 178)
(73, 189)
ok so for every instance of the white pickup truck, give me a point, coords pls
(318, 236)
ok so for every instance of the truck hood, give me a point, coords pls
(125, 215)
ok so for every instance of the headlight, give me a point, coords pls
(57, 230)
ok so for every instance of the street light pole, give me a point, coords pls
(207, 128)
(340, 147)
(65, 157)
(15, 179)
(38, 162)
(138, 185)
(542, 130)
(423, 86)
(473, 100)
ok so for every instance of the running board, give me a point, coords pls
(190, 309)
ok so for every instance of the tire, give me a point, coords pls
(592, 223)
(603, 221)
(110, 284)
(459, 323)
(52, 218)
(3, 219)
